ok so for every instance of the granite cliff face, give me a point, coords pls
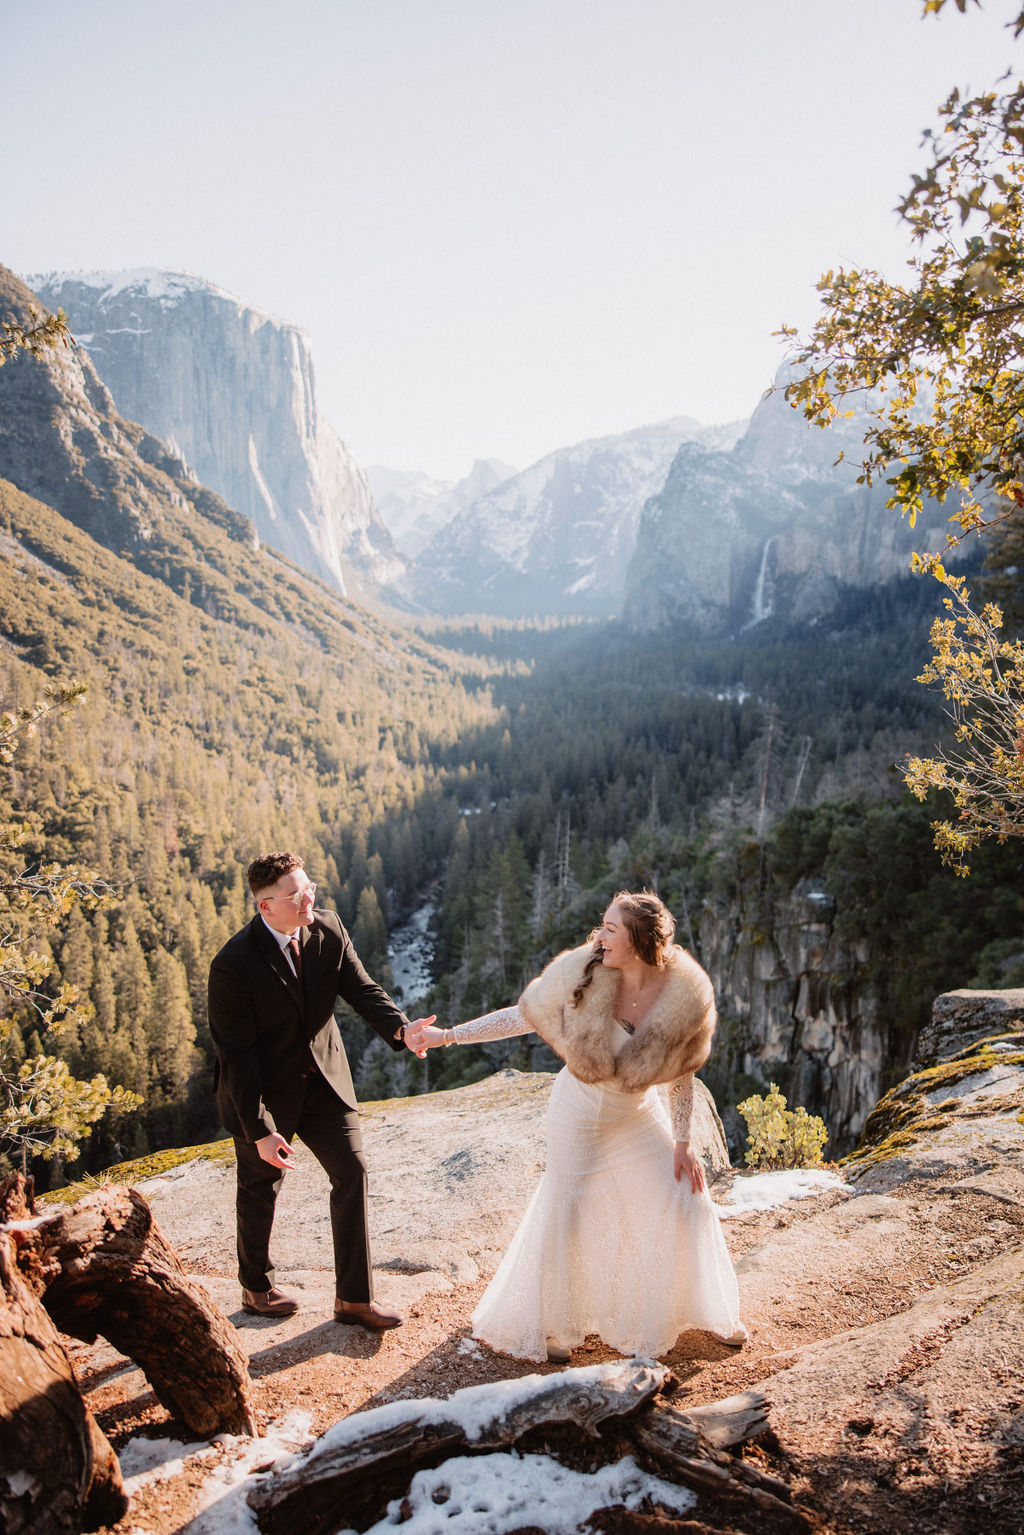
(232, 392)
(63, 442)
(791, 1012)
(557, 538)
(773, 525)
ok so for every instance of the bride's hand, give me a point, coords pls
(686, 1161)
(421, 1036)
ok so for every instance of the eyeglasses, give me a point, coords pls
(295, 897)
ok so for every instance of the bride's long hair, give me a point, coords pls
(651, 928)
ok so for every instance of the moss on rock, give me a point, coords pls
(151, 1166)
(904, 1116)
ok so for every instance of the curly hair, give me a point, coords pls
(650, 926)
(265, 871)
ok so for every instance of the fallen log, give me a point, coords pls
(58, 1473)
(357, 1467)
(366, 1461)
(731, 1421)
(105, 1268)
(674, 1443)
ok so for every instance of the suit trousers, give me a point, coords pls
(333, 1134)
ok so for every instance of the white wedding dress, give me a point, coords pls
(610, 1244)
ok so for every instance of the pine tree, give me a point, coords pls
(370, 936)
(171, 1032)
(134, 991)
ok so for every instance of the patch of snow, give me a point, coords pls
(32, 1224)
(19, 1482)
(222, 1508)
(497, 1494)
(764, 1191)
(154, 282)
(144, 1461)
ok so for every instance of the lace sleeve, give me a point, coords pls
(680, 1105)
(500, 1025)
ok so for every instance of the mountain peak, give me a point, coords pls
(159, 283)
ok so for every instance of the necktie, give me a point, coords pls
(296, 954)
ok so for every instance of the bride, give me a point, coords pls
(621, 1237)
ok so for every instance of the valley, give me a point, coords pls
(492, 778)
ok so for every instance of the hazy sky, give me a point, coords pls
(507, 224)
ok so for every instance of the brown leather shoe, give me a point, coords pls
(366, 1313)
(269, 1302)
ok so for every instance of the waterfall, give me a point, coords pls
(764, 590)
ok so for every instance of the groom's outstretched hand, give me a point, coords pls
(414, 1035)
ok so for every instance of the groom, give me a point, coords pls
(282, 1071)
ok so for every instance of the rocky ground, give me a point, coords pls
(886, 1319)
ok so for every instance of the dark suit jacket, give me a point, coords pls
(268, 1031)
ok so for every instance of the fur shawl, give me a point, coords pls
(673, 1039)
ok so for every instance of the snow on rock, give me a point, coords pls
(414, 507)
(148, 281)
(764, 1191)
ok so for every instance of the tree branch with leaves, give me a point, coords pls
(940, 357)
(981, 674)
(35, 335)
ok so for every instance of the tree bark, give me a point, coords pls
(58, 1473)
(730, 1422)
(100, 1266)
(680, 1447)
(110, 1271)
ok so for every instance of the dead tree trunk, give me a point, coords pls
(584, 1416)
(101, 1266)
(108, 1270)
(57, 1471)
(681, 1448)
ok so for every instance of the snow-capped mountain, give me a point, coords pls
(774, 525)
(232, 391)
(414, 507)
(558, 537)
